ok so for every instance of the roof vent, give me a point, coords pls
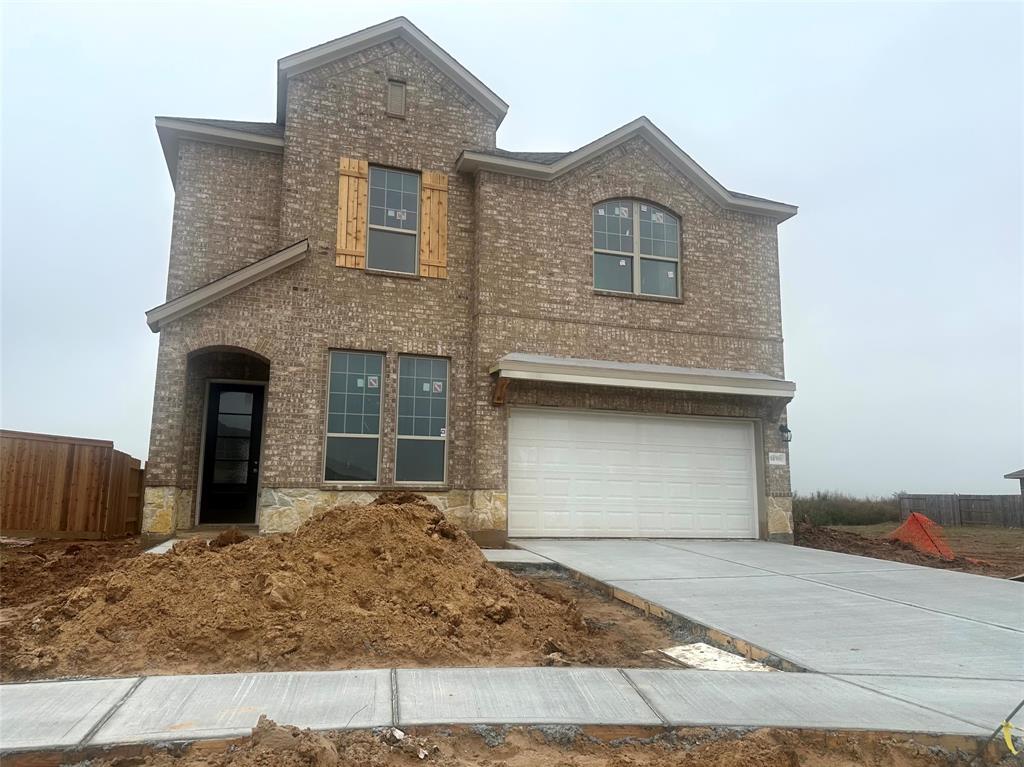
(396, 98)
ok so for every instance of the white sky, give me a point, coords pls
(896, 128)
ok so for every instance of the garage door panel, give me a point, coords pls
(592, 473)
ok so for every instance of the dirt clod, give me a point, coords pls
(360, 586)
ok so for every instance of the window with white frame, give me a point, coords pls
(422, 419)
(352, 452)
(393, 221)
(636, 248)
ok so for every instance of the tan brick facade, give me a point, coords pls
(519, 279)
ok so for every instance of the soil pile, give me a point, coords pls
(29, 573)
(815, 537)
(277, 746)
(359, 586)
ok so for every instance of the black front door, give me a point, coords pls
(231, 455)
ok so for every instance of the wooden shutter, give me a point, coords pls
(353, 189)
(434, 224)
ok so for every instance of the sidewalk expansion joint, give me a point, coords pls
(113, 710)
(647, 702)
(394, 698)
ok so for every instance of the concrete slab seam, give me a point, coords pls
(395, 713)
(98, 725)
(804, 577)
(644, 698)
(915, 703)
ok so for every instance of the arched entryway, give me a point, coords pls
(226, 399)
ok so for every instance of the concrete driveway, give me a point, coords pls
(934, 636)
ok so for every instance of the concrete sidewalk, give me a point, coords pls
(65, 715)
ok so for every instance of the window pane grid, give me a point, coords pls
(636, 249)
(422, 419)
(353, 401)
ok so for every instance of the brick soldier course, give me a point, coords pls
(519, 278)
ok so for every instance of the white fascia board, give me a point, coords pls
(178, 307)
(399, 27)
(471, 162)
(669, 381)
(171, 131)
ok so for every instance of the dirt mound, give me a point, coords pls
(272, 744)
(359, 586)
(32, 572)
(815, 537)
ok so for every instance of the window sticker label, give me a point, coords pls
(657, 217)
(643, 208)
(372, 382)
(359, 383)
(622, 262)
(391, 213)
(444, 432)
(671, 274)
(622, 211)
(600, 211)
(426, 387)
(438, 386)
(400, 215)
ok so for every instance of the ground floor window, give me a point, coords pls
(353, 417)
(422, 419)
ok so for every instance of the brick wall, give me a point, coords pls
(227, 207)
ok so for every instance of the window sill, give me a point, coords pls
(386, 273)
(371, 488)
(638, 296)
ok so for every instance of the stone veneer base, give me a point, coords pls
(283, 509)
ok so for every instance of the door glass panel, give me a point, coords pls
(235, 402)
(234, 425)
(230, 472)
(232, 448)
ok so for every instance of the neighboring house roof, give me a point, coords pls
(178, 307)
(541, 165)
(265, 137)
(536, 367)
(401, 28)
(1014, 475)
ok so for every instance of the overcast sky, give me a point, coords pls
(897, 129)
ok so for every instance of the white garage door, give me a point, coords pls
(599, 474)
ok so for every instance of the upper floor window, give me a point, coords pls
(392, 240)
(636, 248)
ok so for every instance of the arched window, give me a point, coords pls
(636, 249)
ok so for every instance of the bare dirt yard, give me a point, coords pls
(388, 584)
(993, 551)
(30, 572)
(271, 744)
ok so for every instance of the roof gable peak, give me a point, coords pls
(399, 27)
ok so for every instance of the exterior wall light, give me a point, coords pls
(787, 435)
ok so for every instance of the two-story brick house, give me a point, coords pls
(369, 294)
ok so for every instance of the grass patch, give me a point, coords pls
(830, 508)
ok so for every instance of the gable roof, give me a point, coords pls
(401, 28)
(548, 166)
(265, 137)
(1019, 474)
(185, 304)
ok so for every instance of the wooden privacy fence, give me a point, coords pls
(66, 487)
(957, 510)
